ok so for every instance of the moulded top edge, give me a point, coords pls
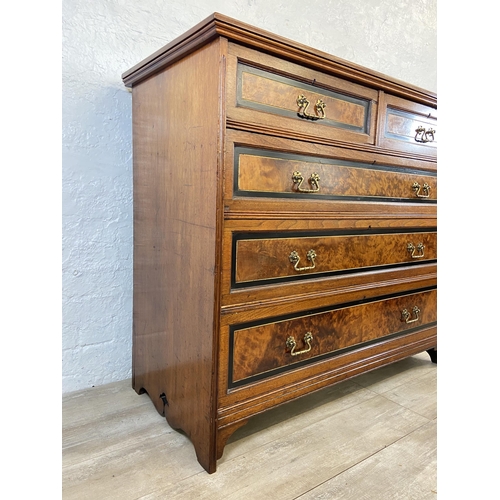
(237, 31)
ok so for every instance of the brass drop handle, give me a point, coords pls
(425, 188)
(303, 104)
(406, 315)
(294, 259)
(292, 344)
(423, 135)
(298, 179)
(412, 249)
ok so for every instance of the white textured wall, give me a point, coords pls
(102, 39)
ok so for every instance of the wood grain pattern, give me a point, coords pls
(261, 258)
(344, 151)
(174, 278)
(275, 84)
(220, 25)
(315, 206)
(264, 88)
(318, 287)
(262, 348)
(400, 119)
(262, 172)
(242, 402)
(197, 104)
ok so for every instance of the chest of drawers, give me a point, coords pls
(284, 225)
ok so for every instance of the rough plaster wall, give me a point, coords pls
(102, 39)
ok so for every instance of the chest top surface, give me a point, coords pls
(219, 25)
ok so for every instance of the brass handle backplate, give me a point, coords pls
(406, 315)
(412, 249)
(298, 179)
(423, 135)
(303, 104)
(294, 259)
(425, 188)
(292, 344)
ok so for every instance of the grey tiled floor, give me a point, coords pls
(372, 437)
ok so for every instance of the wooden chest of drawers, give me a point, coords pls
(284, 225)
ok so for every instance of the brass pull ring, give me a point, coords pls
(294, 259)
(422, 135)
(406, 315)
(298, 179)
(425, 188)
(303, 104)
(292, 344)
(412, 249)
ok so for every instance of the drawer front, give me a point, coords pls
(262, 259)
(409, 126)
(265, 91)
(276, 94)
(265, 173)
(261, 350)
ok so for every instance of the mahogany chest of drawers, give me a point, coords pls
(284, 225)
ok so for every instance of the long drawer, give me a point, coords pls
(262, 258)
(262, 349)
(271, 174)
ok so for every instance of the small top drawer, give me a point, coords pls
(272, 93)
(408, 126)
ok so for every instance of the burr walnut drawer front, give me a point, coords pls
(408, 126)
(265, 173)
(262, 349)
(259, 258)
(281, 95)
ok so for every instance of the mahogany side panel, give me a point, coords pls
(177, 152)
